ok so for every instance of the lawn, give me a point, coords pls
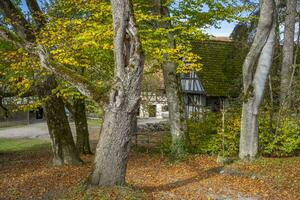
(94, 122)
(20, 145)
(26, 173)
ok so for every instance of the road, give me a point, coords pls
(40, 130)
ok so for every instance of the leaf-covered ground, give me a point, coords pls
(28, 175)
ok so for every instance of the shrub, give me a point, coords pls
(285, 141)
(207, 136)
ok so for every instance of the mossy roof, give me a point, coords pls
(222, 67)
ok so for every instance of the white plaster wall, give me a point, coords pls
(159, 111)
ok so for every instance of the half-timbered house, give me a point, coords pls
(207, 89)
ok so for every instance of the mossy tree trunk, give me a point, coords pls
(82, 132)
(177, 116)
(63, 146)
(176, 111)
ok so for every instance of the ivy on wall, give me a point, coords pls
(221, 74)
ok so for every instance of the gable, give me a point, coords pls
(190, 83)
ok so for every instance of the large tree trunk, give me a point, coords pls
(287, 51)
(120, 114)
(254, 80)
(82, 132)
(63, 146)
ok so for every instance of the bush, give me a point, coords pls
(283, 142)
(207, 137)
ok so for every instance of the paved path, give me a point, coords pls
(40, 130)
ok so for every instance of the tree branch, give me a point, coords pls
(25, 32)
(262, 34)
(84, 86)
(10, 37)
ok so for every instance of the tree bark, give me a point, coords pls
(287, 51)
(121, 112)
(177, 116)
(63, 146)
(255, 80)
(82, 132)
(176, 110)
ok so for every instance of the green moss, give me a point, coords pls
(222, 67)
(179, 149)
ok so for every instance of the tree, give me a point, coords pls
(63, 146)
(82, 132)
(177, 115)
(120, 114)
(254, 79)
(171, 77)
(77, 108)
(23, 36)
(288, 50)
(121, 108)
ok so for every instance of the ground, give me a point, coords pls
(26, 173)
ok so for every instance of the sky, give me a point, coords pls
(225, 30)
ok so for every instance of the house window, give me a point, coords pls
(165, 108)
(152, 110)
(39, 114)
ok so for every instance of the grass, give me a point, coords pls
(14, 125)
(94, 122)
(18, 145)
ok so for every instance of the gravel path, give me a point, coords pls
(37, 130)
(40, 130)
